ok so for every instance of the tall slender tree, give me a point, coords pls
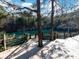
(52, 22)
(39, 25)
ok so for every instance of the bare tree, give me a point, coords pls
(39, 24)
(52, 23)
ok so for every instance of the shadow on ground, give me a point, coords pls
(26, 54)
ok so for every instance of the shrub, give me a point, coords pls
(18, 41)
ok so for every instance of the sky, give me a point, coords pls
(46, 8)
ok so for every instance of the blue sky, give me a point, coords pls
(47, 7)
(67, 4)
(19, 1)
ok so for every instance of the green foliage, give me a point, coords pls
(3, 13)
(20, 21)
(1, 9)
(1, 38)
(1, 48)
(25, 37)
(1, 35)
(15, 42)
(18, 41)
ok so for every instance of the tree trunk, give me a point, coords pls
(52, 23)
(4, 41)
(64, 35)
(70, 34)
(39, 25)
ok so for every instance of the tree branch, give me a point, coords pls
(27, 9)
(19, 8)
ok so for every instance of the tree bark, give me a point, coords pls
(40, 44)
(52, 22)
(64, 35)
(4, 41)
